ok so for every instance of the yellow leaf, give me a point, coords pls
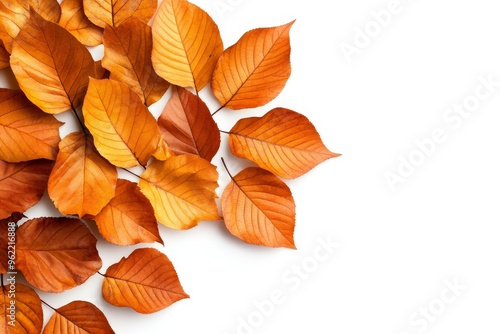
(115, 12)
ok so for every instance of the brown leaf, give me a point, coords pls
(50, 10)
(259, 209)
(27, 132)
(124, 131)
(145, 281)
(4, 57)
(186, 44)
(282, 141)
(188, 126)
(51, 66)
(78, 317)
(74, 20)
(115, 12)
(100, 72)
(181, 190)
(4, 244)
(28, 314)
(56, 254)
(128, 219)
(255, 70)
(127, 55)
(22, 185)
(82, 182)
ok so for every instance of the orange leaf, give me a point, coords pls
(22, 185)
(74, 20)
(282, 141)
(78, 317)
(124, 130)
(82, 182)
(259, 209)
(100, 72)
(181, 190)
(51, 66)
(28, 313)
(4, 57)
(128, 218)
(56, 254)
(115, 12)
(162, 152)
(5, 225)
(50, 10)
(255, 70)
(127, 55)
(27, 132)
(188, 126)
(186, 44)
(145, 281)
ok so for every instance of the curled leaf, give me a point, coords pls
(74, 20)
(115, 12)
(22, 311)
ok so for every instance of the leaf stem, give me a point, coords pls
(79, 120)
(221, 107)
(43, 301)
(227, 170)
(227, 133)
(130, 172)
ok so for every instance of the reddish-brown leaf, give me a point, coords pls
(22, 185)
(282, 141)
(78, 317)
(259, 209)
(100, 72)
(56, 254)
(82, 182)
(5, 225)
(4, 57)
(27, 133)
(74, 20)
(115, 12)
(255, 70)
(188, 126)
(145, 281)
(27, 317)
(127, 55)
(128, 219)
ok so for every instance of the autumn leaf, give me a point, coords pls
(13, 15)
(50, 65)
(282, 141)
(78, 317)
(82, 182)
(124, 131)
(28, 313)
(186, 44)
(27, 133)
(22, 185)
(181, 190)
(162, 152)
(127, 55)
(115, 12)
(255, 70)
(74, 20)
(145, 281)
(188, 126)
(4, 57)
(128, 218)
(259, 209)
(50, 10)
(56, 254)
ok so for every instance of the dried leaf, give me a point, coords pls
(82, 182)
(4, 57)
(27, 132)
(255, 70)
(162, 152)
(74, 20)
(128, 219)
(50, 65)
(56, 254)
(28, 313)
(181, 190)
(22, 185)
(124, 131)
(78, 317)
(186, 44)
(50, 10)
(4, 244)
(115, 12)
(100, 72)
(127, 55)
(259, 209)
(188, 126)
(145, 281)
(282, 141)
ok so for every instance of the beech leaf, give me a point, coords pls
(4, 57)
(146, 281)
(74, 20)
(115, 12)
(188, 126)
(259, 209)
(28, 317)
(282, 141)
(186, 44)
(50, 10)
(181, 190)
(78, 317)
(56, 254)
(254, 71)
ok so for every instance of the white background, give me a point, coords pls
(397, 248)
